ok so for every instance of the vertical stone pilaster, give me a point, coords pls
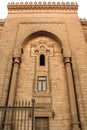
(71, 91)
(7, 77)
(16, 64)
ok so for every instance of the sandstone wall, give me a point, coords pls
(65, 27)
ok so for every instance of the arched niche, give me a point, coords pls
(43, 33)
(48, 50)
(43, 79)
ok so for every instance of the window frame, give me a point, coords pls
(42, 81)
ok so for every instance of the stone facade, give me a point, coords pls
(54, 31)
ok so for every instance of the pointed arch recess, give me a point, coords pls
(43, 33)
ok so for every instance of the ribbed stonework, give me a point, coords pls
(44, 5)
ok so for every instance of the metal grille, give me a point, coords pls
(18, 117)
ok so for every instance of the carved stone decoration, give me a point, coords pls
(42, 6)
(36, 51)
(41, 49)
(47, 51)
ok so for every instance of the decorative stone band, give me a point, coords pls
(75, 122)
(67, 60)
(43, 6)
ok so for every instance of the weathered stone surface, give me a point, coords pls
(52, 29)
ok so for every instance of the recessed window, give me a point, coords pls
(42, 60)
(42, 83)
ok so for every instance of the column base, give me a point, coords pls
(76, 127)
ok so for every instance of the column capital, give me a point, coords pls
(67, 60)
(16, 60)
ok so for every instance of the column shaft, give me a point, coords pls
(71, 91)
(16, 65)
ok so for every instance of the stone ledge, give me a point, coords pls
(43, 6)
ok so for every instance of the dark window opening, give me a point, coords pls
(42, 60)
